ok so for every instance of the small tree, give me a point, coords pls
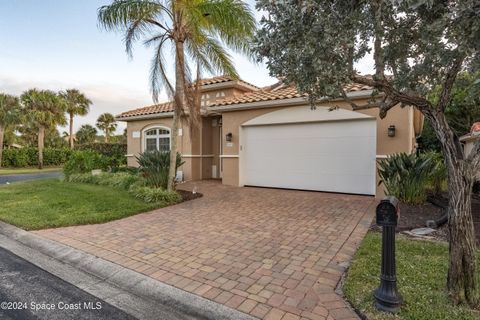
(8, 116)
(106, 122)
(424, 45)
(44, 109)
(77, 104)
(86, 134)
(192, 30)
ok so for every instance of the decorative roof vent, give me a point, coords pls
(476, 129)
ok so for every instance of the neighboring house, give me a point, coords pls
(271, 137)
(470, 139)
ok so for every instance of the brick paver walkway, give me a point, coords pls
(275, 254)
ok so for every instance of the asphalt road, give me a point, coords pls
(28, 292)
(29, 176)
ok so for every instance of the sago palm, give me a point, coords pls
(106, 123)
(77, 104)
(197, 31)
(8, 116)
(43, 109)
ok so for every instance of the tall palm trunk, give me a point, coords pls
(41, 139)
(106, 135)
(70, 137)
(2, 132)
(462, 281)
(179, 103)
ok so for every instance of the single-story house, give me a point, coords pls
(271, 137)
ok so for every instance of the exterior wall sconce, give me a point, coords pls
(228, 137)
(391, 131)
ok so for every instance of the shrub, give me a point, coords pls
(115, 151)
(118, 180)
(154, 166)
(131, 170)
(151, 195)
(28, 157)
(133, 183)
(405, 176)
(85, 161)
(55, 157)
(438, 174)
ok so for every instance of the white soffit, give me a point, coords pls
(305, 114)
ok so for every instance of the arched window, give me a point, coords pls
(157, 139)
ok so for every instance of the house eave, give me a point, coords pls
(145, 117)
(281, 102)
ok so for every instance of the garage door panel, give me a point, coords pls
(331, 156)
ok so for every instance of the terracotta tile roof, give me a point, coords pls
(278, 92)
(153, 109)
(221, 79)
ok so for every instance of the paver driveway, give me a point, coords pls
(275, 254)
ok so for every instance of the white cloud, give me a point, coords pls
(105, 97)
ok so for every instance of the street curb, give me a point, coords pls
(127, 280)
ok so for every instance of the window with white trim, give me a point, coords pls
(157, 139)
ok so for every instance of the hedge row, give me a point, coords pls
(28, 157)
(117, 150)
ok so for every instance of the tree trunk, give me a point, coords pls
(179, 104)
(2, 132)
(106, 135)
(41, 138)
(462, 280)
(70, 137)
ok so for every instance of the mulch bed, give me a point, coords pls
(412, 217)
(188, 195)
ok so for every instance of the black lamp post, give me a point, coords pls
(386, 295)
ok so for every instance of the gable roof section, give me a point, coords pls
(224, 80)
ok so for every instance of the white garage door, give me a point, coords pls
(336, 156)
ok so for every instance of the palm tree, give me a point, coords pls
(44, 109)
(106, 122)
(196, 31)
(86, 134)
(8, 116)
(77, 105)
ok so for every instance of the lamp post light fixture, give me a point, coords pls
(391, 131)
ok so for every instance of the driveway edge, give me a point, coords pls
(102, 271)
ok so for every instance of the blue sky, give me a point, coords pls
(56, 44)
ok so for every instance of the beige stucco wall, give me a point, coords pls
(204, 149)
(135, 145)
(402, 118)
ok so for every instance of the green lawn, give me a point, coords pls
(50, 203)
(4, 171)
(421, 272)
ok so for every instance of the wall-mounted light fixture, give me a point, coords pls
(228, 137)
(391, 131)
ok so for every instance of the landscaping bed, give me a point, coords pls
(421, 271)
(416, 216)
